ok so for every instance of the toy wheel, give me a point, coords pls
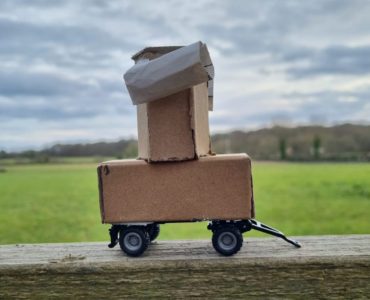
(134, 240)
(227, 240)
(153, 230)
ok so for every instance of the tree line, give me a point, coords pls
(346, 142)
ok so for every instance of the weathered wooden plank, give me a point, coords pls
(325, 267)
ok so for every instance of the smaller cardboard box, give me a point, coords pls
(211, 188)
(175, 128)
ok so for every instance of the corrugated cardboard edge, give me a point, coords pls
(143, 131)
(101, 195)
(154, 52)
(198, 102)
(253, 211)
(210, 96)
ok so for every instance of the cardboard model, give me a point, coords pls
(172, 127)
(163, 71)
(176, 177)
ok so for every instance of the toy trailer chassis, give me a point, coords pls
(136, 197)
(227, 238)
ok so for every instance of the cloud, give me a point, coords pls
(62, 63)
(19, 82)
(335, 60)
(335, 106)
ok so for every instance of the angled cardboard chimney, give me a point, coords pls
(174, 127)
(162, 71)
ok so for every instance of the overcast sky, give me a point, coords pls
(276, 62)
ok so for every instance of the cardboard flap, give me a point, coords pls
(170, 73)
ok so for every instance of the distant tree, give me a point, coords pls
(342, 142)
(282, 148)
(31, 154)
(130, 150)
(3, 154)
(42, 159)
(316, 145)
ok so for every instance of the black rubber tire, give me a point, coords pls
(227, 240)
(153, 230)
(134, 240)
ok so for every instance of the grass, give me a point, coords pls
(53, 160)
(59, 202)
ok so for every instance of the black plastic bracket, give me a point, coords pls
(269, 230)
(113, 232)
(247, 225)
(243, 226)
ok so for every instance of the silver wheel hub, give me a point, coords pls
(132, 241)
(227, 241)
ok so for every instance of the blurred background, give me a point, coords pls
(292, 90)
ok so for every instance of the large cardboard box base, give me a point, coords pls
(211, 188)
(175, 128)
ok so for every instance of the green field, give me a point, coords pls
(59, 202)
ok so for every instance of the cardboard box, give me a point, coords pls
(176, 127)
(211, 188)
(162, 71)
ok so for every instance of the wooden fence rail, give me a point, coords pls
(325, 267)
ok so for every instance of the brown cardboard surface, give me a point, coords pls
(199, 119)
(210, 97)
(170, 132)
(176, 127)
(213, 187)
(143, 131)
(164, 129)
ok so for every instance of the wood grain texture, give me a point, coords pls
(326, 267)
